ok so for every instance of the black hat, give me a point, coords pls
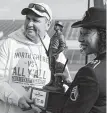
(94, 17)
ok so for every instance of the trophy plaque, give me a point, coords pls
(48, 100)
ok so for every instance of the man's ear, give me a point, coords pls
(48, 24)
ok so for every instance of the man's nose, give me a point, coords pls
(30, 24)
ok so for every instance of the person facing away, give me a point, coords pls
(87, 92)
(23, 60)
(56, 46)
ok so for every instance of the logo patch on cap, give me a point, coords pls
(74, 93)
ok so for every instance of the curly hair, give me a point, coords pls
(102, 40)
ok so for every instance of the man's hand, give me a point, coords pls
(36, 109)
(25, 103)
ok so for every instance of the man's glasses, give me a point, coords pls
(38, 8)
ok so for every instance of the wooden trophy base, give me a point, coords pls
(48, 100)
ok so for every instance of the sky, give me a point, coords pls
(61, 9)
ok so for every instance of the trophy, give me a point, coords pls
(48, 100)
(51, 98)
(56, 83)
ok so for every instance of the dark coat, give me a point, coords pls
(87, 93)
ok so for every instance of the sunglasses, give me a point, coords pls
(38, 8)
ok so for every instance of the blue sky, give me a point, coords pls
(62, 9)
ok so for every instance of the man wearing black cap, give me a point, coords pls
(87, 92)
(57, 45)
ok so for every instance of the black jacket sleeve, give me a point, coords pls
(82, 93)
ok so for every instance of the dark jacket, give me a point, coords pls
(87, 93)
